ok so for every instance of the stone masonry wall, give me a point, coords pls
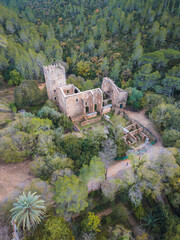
(117, 95)
(55, 77)
(75, 103)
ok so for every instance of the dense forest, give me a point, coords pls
(137, 44)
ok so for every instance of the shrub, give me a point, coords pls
(15, 78)
(134, 98)
(13, 107)
(26, 136)
(120, 212)
(49, 113)
(91, 223)
(43, 167)
(150, 101)
(139, 211)
(17, 147)
(28, 94)
(170, 137)
(49, 103)
(78, 149)
(58, 119)
(1, 79)
(56, 228)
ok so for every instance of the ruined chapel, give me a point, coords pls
(75, 103)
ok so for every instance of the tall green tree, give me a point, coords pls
(70, 195)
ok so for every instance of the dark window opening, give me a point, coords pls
(87, 109)
(121, 106)
(76, 99)
(54, 98)
(54, 90)
(85, 103)
(95, 107)
(75, 91)
(67, 91)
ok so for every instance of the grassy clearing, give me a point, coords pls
(117, 120)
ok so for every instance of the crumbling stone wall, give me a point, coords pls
(83, 103)
(75, 103)
(117, 95)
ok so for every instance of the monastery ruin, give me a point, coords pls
(88, 106)
(84, 105)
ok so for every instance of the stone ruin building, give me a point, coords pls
(86, 106)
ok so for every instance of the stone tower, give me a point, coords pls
(55, 76)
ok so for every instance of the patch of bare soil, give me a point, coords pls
(116, 168)
(13, 176)
(41, 86)
(105, 213)
(143, 120)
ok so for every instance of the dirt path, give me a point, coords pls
(12, 176)
(106, 212)
(136, 228)
(142, 119)
(117, 168)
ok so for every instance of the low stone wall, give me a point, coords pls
(106, 110)
(94, 120)
(91, 115)
(78, 119)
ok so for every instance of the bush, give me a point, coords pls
(78, 149)
(56, 228)
(26, 136)
(150, 101)
(28, 94)
(49, 113)
(49, 103)
(122, 147)
(15, 78)
(120, 213)
(170, 137)
(43, 167)
(134, 98)
(139, 211)
(13, 107)
(58, 119)
(1, 79)
(166, 116)
(17, 147)
(91, 223)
